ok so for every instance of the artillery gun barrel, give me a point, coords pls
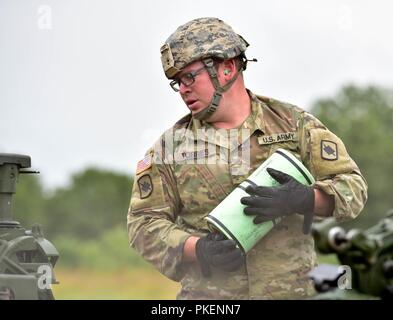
(27, 259)
(10, 165)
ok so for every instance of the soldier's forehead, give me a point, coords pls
(192, 66)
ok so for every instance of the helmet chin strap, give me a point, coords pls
(214, 103)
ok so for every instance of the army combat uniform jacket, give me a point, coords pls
(179, 182)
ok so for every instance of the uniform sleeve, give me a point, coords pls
(335, 172)
(152, 230)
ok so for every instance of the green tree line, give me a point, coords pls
(85, 220)
(363, 119)
(95, 201)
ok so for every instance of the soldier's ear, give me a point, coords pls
(228, 66)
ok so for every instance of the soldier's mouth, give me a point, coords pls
(192, 104)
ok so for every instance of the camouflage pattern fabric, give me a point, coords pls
(198, 39)
(171, 198)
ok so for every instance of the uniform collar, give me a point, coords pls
(254, 122)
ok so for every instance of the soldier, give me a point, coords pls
(180, 181)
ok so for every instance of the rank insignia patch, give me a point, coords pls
(145, 186)
(329, 150)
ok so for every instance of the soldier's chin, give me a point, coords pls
(195, 107)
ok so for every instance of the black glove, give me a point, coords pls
(269, 203)
(217, 251)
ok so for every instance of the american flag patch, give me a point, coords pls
(144, 164)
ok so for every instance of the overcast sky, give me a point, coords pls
(81, 82)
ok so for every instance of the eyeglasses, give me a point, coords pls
(187, 79)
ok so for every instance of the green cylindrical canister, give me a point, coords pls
(228, 217)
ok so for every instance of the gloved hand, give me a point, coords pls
(215, 250)
(269, 203)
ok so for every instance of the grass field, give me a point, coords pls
(136, 284)
(127, 284)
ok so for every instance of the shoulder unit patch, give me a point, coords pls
(329, 150)
(145, 186)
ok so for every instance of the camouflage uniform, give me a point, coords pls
(170, 200)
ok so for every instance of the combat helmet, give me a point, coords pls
(203, 39)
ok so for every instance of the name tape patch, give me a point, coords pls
(278, 137)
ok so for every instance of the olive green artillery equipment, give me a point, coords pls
(27, 259)
(366, 258)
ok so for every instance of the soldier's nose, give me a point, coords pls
(183, 89)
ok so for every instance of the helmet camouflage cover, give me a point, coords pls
(198, 39)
